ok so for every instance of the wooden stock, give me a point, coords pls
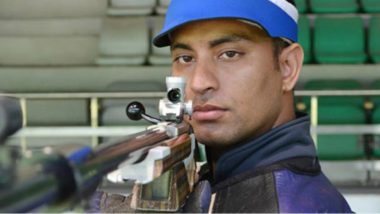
(122, 149)
(174, 182)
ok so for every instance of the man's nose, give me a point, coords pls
(204, 77)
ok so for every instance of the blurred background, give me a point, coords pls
(76, 64)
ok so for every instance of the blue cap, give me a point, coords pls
(277, 17)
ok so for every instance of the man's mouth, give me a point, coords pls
(207, 113)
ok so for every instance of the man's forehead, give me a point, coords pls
(215, 29)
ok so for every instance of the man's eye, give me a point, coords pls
(184, 59)
(229, 54)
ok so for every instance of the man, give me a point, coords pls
(241, 60)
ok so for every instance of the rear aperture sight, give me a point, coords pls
(175, 95)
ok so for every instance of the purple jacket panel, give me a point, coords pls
(306, 194)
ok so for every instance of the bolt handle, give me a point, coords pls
(135, 110)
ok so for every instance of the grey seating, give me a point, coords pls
(131, 7)
(162, 6)
(75, 79)
(54, 113)
(113, 110)
(48, 51)
(37, 9)
(346, 173)
(375, 173)
(85, 26)
(159, 56)
(40, 34)
(50, 32)
(123, 41)
(64, 112)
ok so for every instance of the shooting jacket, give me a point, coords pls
(277, 172)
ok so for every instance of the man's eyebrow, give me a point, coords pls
(181, 46)
(226, 39)
(213, 43)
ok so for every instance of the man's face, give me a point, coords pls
(231, 79)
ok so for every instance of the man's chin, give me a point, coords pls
(211, 140)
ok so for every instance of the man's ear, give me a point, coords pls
(290, 61)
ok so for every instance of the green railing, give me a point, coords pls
(94, 130)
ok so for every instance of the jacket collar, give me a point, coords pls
(287, 141)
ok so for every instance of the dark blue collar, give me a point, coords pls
(283, 142)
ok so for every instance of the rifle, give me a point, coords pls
(160, 161)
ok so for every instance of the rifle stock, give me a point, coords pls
(173, 182)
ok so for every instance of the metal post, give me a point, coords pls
(314, 119)
(23, 142)
(94, 110)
